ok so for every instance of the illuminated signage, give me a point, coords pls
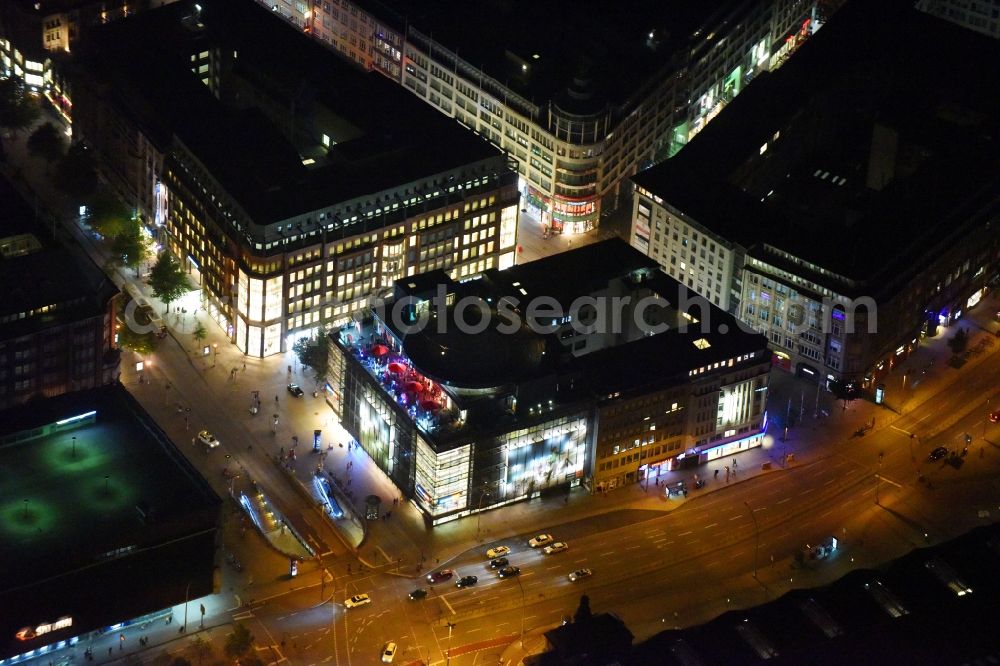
(28, 633)
(78, 417)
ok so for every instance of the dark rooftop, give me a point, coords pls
(825, 102)
(844, 622)
(389, 138)
(38, 273)
(608, 44)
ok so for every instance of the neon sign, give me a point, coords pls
(28, 633)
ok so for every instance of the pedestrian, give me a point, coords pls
(170, 618)
(249, 448)
(276, 400)
(244, 366)
(716, 473)
(110, 651)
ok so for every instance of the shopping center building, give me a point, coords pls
(582, 94)
(846, 205)
(471, 395)
(292, 185)
(103, 522)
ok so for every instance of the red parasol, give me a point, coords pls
(430, 405)
(379, 350)
(413, 387)
(396, 367)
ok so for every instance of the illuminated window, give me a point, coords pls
(702, 343)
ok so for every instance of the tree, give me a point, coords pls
(583, 610)
(167, 279)
(959, 341)
(18, 109)
(76, 173)
(129, 247)
(239, 642)
(46, 143)
(107, 215)
(199, 332)
(202, 648)
(315, 354)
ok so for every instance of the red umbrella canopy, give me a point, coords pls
(397, 367)
(380, 350)
(430, 405)
(413, 387)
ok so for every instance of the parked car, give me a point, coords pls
(207, 439)
(507, 572)
(466, 581)
(497, 551)
(358, 600)
(388, 652)
(540, 540)
(937, 454)
(418, 594)
(557, 547)
(994, 417)
(438, 576)
(580, 573)
(296, 390)
(499, 563)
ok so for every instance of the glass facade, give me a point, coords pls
(442, 480)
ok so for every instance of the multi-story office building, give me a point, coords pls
(857, 188)
(983, 16)
(586, 100)
(56, 315)
(292, 185)
(477, 394)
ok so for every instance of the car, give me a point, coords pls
(466, 581)
(508, 572)
(580, 573)
(418, 593)
(994, 417)
(438, 576)
(208, 439)
(497, 551)
(937, 454)
(557, 547)
(540, 540)
(358, 600)
(388, 652)
(296, 390)
(499, 563)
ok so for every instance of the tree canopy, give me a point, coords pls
(141, 343)
(45, 142)
(239, 642)
(199, 332)
(18, 109)
(167, 279)
(107, 215)
(76, 174)
(129, 247)
(313, 353)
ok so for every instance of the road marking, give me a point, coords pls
(688, 543)
(829, 481)
(710, 526)
(633, 547)
(807, 491)
(787, 499)
(525, 575)
(659, 540)
(826, 513)
(686, 533)
(472, 631)
(531, 617)
(736, 517)
(581, 561)
(610, 552)
(445, 600)
(889, 481)
(905, 432)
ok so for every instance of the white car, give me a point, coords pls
(580, 573)
(208, 439)
(388, 652)
(358, 600)
(497, 551)
(557, 547)
(540, 540)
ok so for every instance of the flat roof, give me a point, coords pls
(390, 138)
(62, 511)
(608, 42)
(846, 80)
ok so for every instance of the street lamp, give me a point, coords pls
(215, 353)
(479, 513)
(74, 446)
(518, 578)
(756, 529)
(878, 477)
(451, 626)
(187, 590)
